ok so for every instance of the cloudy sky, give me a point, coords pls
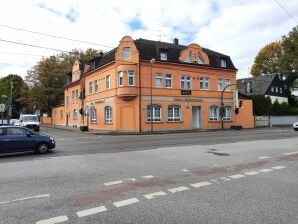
(238, 28)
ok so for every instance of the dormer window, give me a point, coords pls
(126, 53)
(248, 87)
(163, 56)
(200, 60)
(187, 58)
(223, 63)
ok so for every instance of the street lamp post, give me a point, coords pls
(151, 107)
(3, 96)
(222, 105)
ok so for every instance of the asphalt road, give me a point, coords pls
(247, 176)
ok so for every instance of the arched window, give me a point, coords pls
(213, 113)
(154, 112)
(75, 114)
(174, 113)
(108, 114)
(93, 115)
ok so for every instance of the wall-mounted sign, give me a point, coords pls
(2, 107)
(185, 92)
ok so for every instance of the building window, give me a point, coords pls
(61, 114)
(213, 113)
(108, 114)
(228, 84)
(185, 82)
(154, 111)
(108, 84)
(75, 114)
(220, 84)
(223, 63)
(90, 87)
(73, 95)
(168, 80)
(77, 94)
(272, 89)
(174, 113)
(126, 53)
(96, 86)
(248, 87)
(131, 78)
(276, 89)
(200, 60)
(66, 101)
(187, 58)
(163, 56)
(158, 80)
(227, 114)
(280, 90)
(120, 78)
(93, 115)
(204, 83)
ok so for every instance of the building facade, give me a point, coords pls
(145, 85)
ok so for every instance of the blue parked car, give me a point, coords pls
(19, 139)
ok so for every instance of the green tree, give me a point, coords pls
(261, 105)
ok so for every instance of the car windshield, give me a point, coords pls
(30, 118)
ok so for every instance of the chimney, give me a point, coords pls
(176, 41)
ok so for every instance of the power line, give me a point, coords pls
(24, 54)
(54, 36)
(287, 12)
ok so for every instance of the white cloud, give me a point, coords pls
(237, 28)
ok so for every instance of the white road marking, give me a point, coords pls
(237, 176)
(155, 195)
(224, 179)
(215, 180)
(250, 173)
(22, 199)
(91, 211)
(185, 170)
(131, 179)
(263, 157)
(148, 176)
(278, 167)
(201, 184)
(57, 219)
(265, 170)
(178, 189)
(290, 153)
(113, 182)
(126, 202)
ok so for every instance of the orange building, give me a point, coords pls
(145, 85)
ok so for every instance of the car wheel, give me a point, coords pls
(42, 148)
(296, 129)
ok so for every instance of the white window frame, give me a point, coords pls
(169, 78)
(220, 84)
(163, 56)
(200, 59)
(108, 82)
(75, 114)
(272, 89)
(96, 86)
(280, 90)
(223, 63)
(171, 112)
(187, 82)
(126, 53)
(77, 94)
(131, 76)
(73, 95)
(108, 114)
(204, 83)
(158, 76)
(155, 108)
(276, 89)
(227, 114)
(120, 78)
(213, 113)
(90, 87)
(228, 82)
(93, 115)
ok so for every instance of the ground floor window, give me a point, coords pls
(227, 114)
(154, 112)
(174, 113)
(93, 115)
(75, 114)
(213, 113)
(108, 114)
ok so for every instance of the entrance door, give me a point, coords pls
(127, 118)
(196, 117)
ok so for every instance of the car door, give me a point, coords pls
(18, 140)
(4, 141)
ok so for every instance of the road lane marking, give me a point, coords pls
(155, 195)
(250, 173)
(201, 184)
(131, 179)
(57, 219)
(148, 176)
(237, 176)
(26, 198)
(290, 153)
(126, 202)
(263, 157)
(91, 211)
(278, 167)
(265, 170)
(185, 170)
(178, 189)
(224, 179)
(113, 183)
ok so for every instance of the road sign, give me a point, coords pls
(2, 107)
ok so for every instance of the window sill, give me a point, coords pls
(174, 121)
(108, 123)
(214, 121)
(154, 122)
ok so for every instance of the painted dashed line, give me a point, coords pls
(265, 170)
(26, 198)
(224, 179)
(155, 195)
(185, 170)
(128, 179)
(57, 219)
(91, 211)
(263, 157)
(148, 176)
(278, 167)
(113, 183)
(251, 173)
(201, 184)
(130, 201)
(237, 176)
(178, 189)
(290, 153)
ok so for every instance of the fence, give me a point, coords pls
(266, 121)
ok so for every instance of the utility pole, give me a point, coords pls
(9, 105)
